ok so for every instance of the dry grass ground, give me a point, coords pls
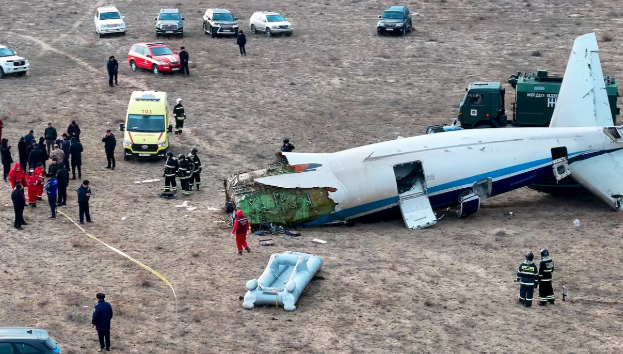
(333, 85)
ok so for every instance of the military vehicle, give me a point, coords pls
(483, 105)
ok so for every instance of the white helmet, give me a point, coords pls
(178, 100)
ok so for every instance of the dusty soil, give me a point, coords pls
(331, 86)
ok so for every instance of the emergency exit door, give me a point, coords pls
(560, 163)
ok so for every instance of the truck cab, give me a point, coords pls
(536, 95)
(146, 125)
(482, 106)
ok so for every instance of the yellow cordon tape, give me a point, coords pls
(125, 255)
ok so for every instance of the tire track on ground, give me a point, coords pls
(45, 46)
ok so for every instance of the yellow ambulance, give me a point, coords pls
(146, 129)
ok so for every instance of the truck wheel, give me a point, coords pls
(253, 29)
(483, 126)
(132, 65)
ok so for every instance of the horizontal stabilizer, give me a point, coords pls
(603, 176)
(583, 100)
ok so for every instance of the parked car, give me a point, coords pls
(395, 19)
(10, 63)
(108, 20)
(18, 340)
(270, 23)
(156, 57)
(169, 21)
(219, 22)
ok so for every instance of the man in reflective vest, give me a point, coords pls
(546, 267)
(180, 115)
(195, 178)
(527, 275)
(240, 229)
(170, 171)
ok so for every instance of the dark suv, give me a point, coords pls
(18, 340)
(395, 19)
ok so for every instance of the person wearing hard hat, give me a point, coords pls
(180, 115)
(240, 229)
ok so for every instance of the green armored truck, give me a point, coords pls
(483, 105)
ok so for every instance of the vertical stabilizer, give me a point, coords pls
(583, 100)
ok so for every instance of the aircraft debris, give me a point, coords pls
(317, 240)
(576, 223)
(183, 205)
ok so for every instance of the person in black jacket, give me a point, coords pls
(62, 177)
(50, 137)
(109, 146)
(73, 130)
(112, 66)
(84, 194)
(7, 160)
(54, 166)
(65, 144)
(75, 152)
(102, 315)
(29, 137)
(180, 116)
(18, 205)
(241, 40)
(21, 149)
(195, 177)
(184, 60)
(36, 156)
(287, 146)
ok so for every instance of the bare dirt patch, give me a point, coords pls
(333, 85)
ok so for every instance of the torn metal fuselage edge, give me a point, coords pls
(290, 205)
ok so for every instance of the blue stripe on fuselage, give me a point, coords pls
(448, 193)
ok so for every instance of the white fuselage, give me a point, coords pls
(452, 162)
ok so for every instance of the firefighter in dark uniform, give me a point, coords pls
(180, 115)
(546, 267)
(170, 171)
(195, 178)
(527, 275)
(184, 172)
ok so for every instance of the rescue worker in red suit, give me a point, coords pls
(32, 185)
(241, 228)
(40, 173)
(17, 175)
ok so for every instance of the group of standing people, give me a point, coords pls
(188, 169)
(29, 178)
(529, 277)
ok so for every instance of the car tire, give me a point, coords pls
(154, 69)
(182, 35)
(235, 33)
(404, 31)
(133, 65)
(483, 126)
(126, 158)
(289, 34)
(123, 33)
(2, 74)
(212, 32)
(157, 35)
(20, 74)
(101, 35)
(253, 29)
(268, 32)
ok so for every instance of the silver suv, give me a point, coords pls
(26, 340)
(169, 22)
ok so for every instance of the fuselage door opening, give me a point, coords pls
(560, 163)
(413, 199)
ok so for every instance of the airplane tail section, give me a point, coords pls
(582, 100)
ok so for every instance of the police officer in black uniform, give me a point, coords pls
(546, 267)
(180, 115)
(195, 178)
(184, 172)
(184, 61)
(527, 275)
(170, 171)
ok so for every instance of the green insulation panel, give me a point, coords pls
(285, 206)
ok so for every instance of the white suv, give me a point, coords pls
(10, 63)
(270, 23)
(108, 20)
